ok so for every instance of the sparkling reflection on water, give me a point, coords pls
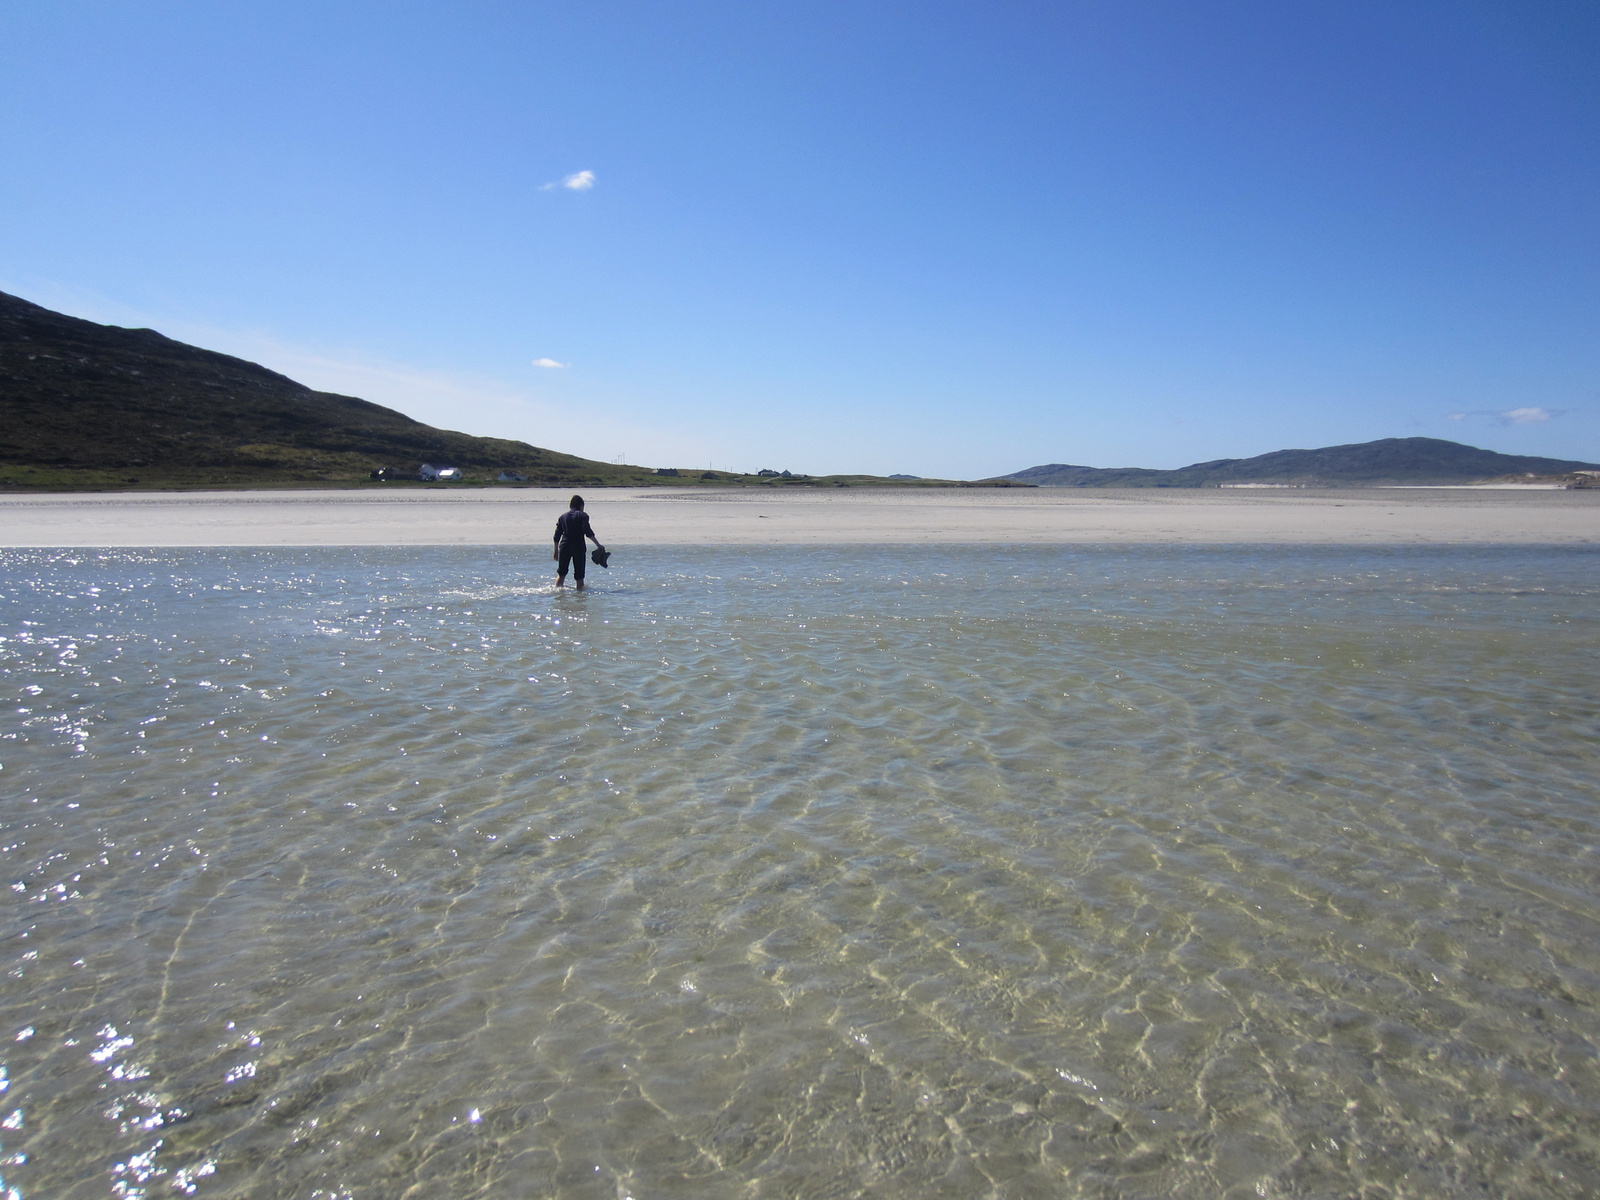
(796, 872)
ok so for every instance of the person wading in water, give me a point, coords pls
(571, 528)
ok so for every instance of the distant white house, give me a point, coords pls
(433, 472)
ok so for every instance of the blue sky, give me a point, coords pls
(939, 238)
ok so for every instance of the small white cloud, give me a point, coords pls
(547, 362)
(581, 181)
(1526, 416)
(1511, 416)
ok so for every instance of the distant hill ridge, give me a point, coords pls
(89, 405)
(1416, 461)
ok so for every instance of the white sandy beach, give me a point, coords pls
(628, 516)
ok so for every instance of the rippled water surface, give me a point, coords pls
(901, 873)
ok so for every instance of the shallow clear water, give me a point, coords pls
(789, 872)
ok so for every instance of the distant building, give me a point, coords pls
(433, 472)
(512, 477)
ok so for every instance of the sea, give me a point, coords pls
(906, 871)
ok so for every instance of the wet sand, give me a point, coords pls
(678, 516)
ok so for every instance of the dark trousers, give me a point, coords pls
(573, 554)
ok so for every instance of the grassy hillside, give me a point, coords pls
(88, 407)
(93, 406)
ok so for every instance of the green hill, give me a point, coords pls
(1366, 464)
(84, 405)
(88, 407)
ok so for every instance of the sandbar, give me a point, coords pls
(847, 516)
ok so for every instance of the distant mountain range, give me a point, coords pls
(85, 406)
(1416, 461)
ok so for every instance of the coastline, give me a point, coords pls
(649, 516)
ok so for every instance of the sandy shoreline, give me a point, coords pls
(635, 516)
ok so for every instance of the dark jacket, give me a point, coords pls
(572, 527)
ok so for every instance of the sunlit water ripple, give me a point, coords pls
(898, 872)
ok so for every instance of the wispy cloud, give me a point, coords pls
(1511, 416)
(547, 362)
(580, 181)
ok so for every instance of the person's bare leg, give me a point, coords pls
(561, 581)
(580, 585)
